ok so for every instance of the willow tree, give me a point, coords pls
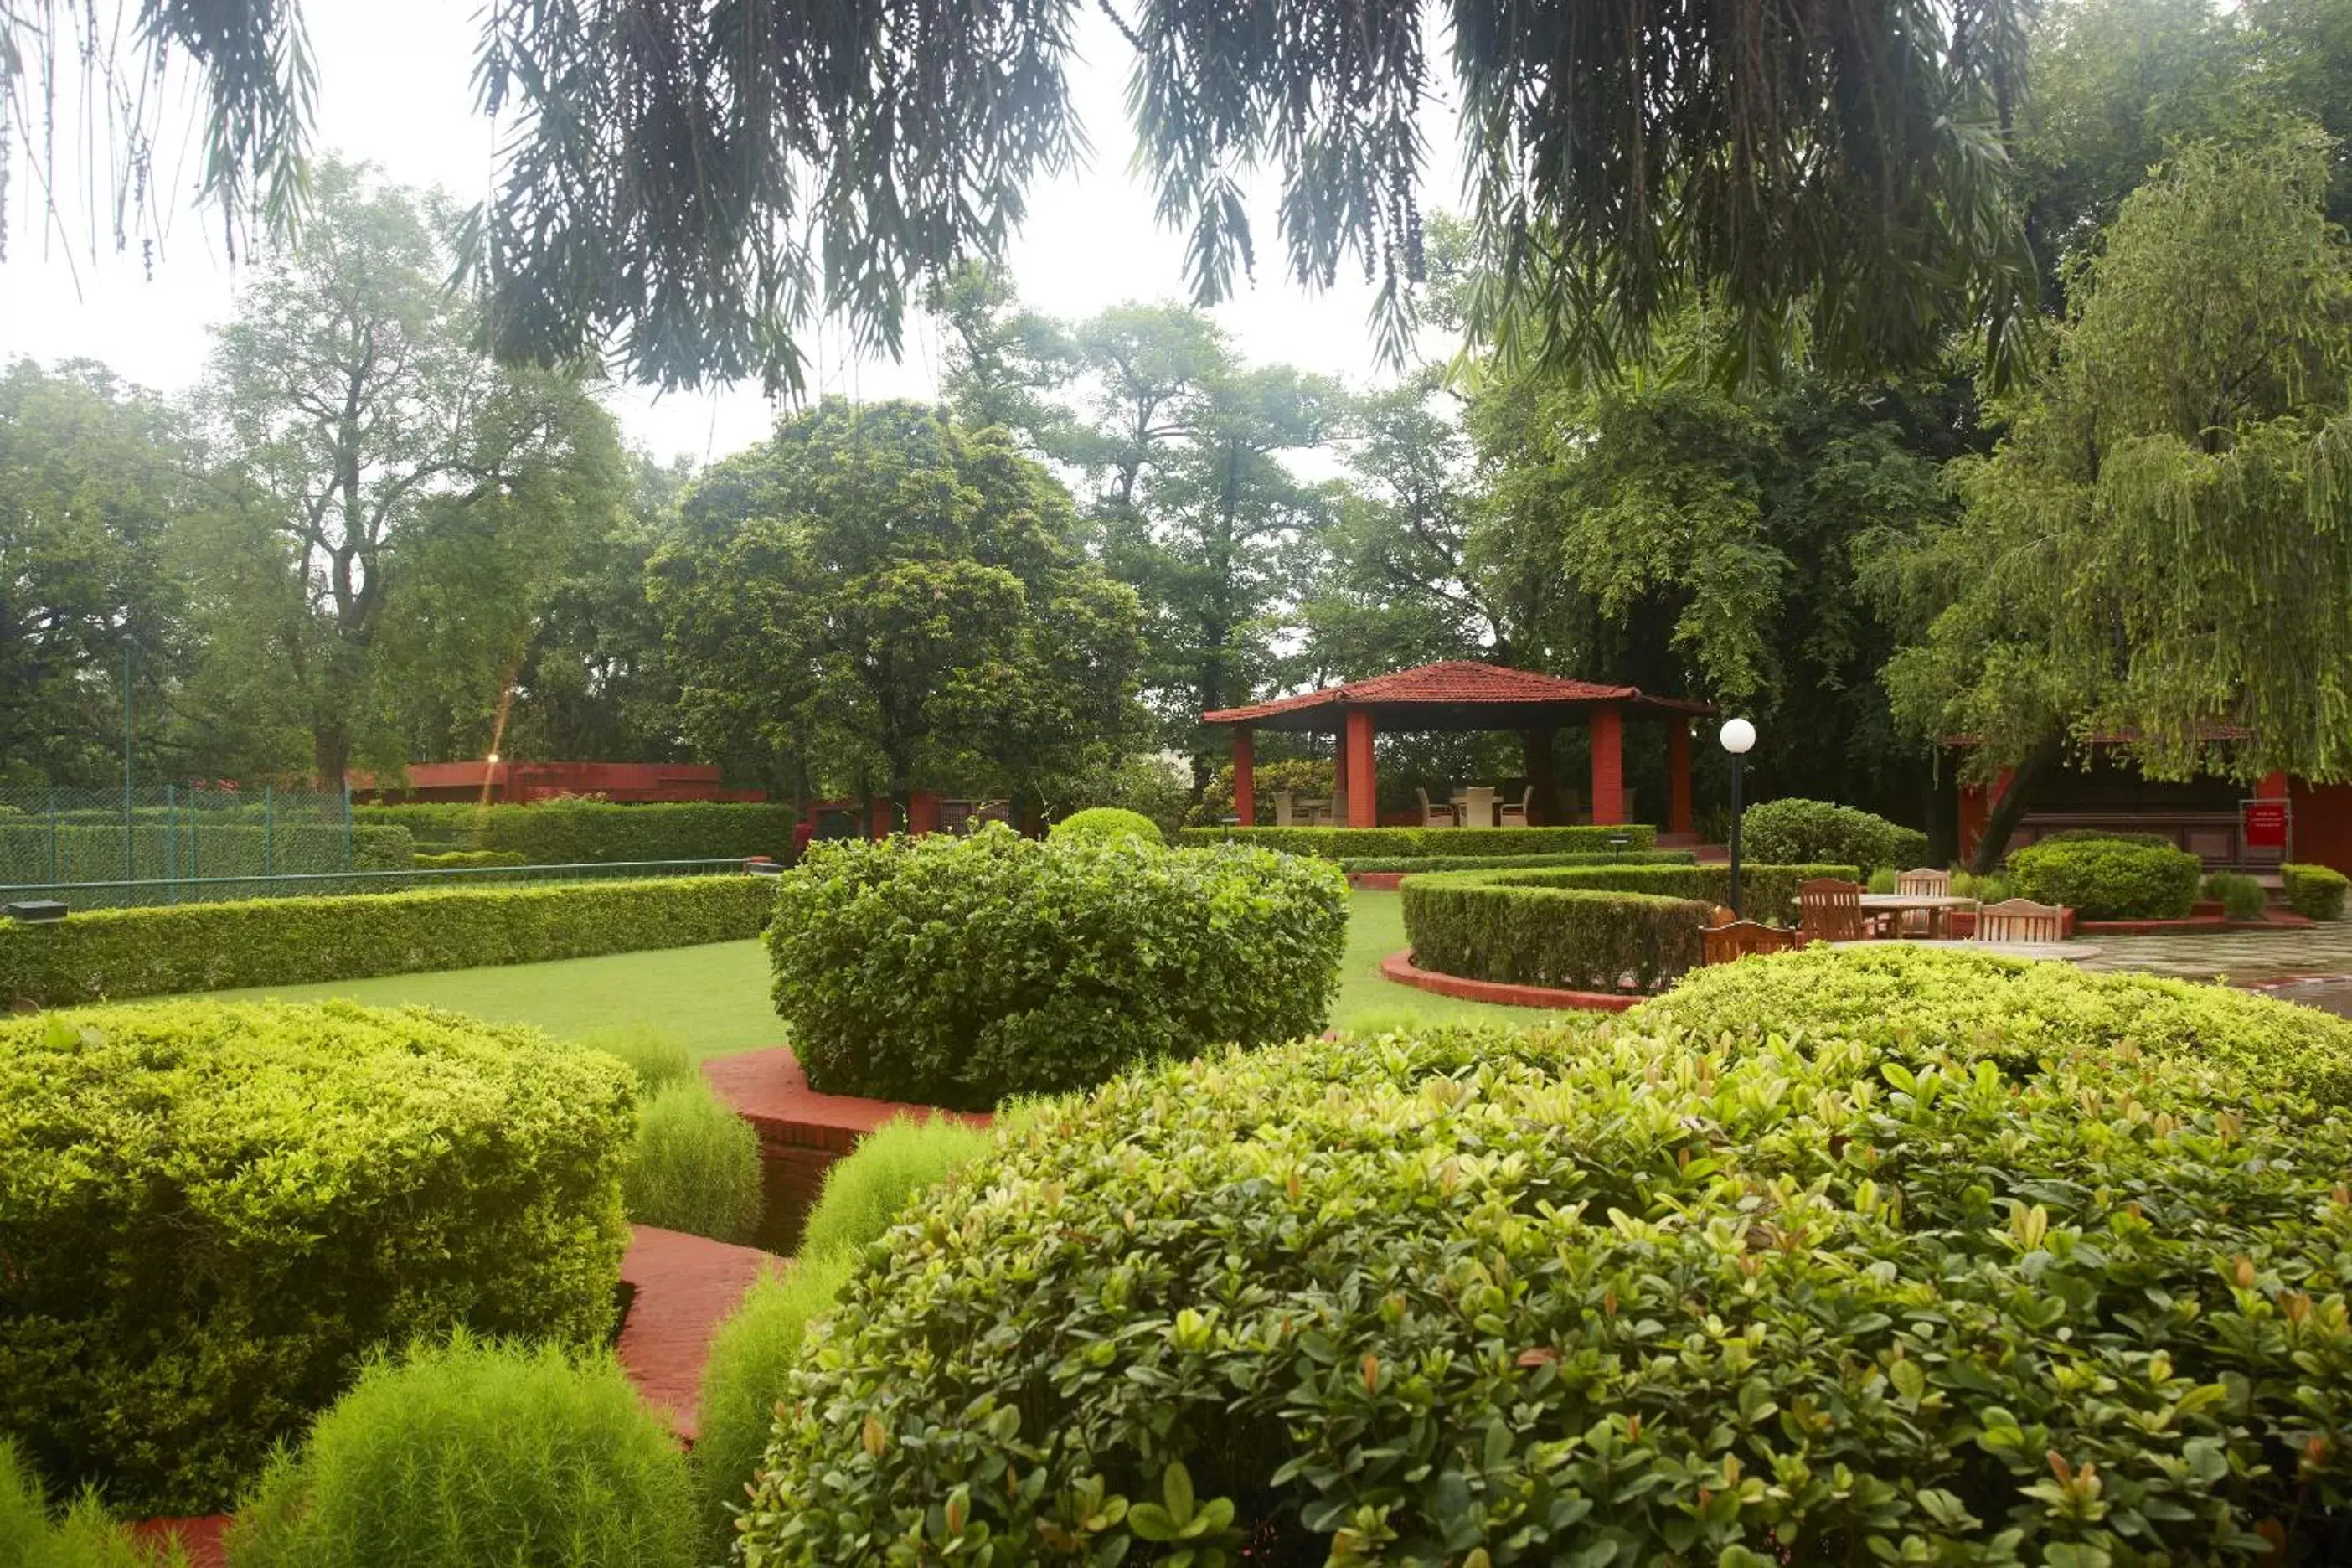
(693, 186)
(2160, 549)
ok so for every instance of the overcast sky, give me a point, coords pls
(393, 89)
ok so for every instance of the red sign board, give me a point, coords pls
(2265, 823)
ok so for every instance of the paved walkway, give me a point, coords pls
(2241, 958)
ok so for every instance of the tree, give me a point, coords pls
(92, 476)
(2160, 549)
(359, 434)
(697, 185)
(878, 590)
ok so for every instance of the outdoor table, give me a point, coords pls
(1939, 906)
(1481, 800)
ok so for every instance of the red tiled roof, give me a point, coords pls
(1451, 682)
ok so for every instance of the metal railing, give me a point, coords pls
(150, 891)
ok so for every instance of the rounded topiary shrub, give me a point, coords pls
(2109, 878)
(1914, 1003)
(955, 972)
(476, 1453)
(1597, 1297)
(210, 1213)
(1108, 822)
(2315, 892)
(1796, 832)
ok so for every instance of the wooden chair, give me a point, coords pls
(1720, 915)
(1830, 911)
(1509, 816)
(2020, 919)
(1730, 942)
(1436, 815)
(1926, 882)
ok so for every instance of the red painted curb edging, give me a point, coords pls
(203, 1539)
(1376, 881)
(1400, 967)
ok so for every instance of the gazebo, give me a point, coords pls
(1460, 694)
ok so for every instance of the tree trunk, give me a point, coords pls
(2011, 806)
(331, 754)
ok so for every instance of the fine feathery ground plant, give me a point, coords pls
(658, 1057)
(864, 1193)
(474, 1452)
(694, 1165)
(1603, 1295)
(2102, 878)
(2315, 892)
(750, 1359)
(232, 1204)
(1795, 831)
(2242, 897)
(1109, 822)
(84, 1536)
(959, 971)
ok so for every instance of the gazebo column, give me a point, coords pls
(1607, 763)
(1536, 745)
(1678, 777)
(1244, 777)
(1356, 751)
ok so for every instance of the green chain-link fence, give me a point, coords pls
(175, 845)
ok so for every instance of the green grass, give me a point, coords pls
(716, 997)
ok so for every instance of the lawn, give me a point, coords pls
(717, 996)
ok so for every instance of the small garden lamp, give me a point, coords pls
(1737, 736)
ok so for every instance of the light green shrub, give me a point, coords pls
(2102, 878)
(471, 1454)
(466, 860)
(2315, 892)
(1795, 831)
(750, 1362)
(958, 972)
(658, 1057)
(112, 955)
(694, 1165)
(1108, 822)
(231, 1204)
(84, 1538)
(864, 1193)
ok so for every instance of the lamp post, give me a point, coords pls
(128, 863)
(1737, 736)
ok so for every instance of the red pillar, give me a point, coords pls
(2272, 786)
(1608, 764)
(1244, 777)
(1363, 803)
(1678, 777)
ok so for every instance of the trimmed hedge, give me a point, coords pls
(1355, 863)
(1431, 843)
(2315, 892)
(117, 954)
(1109, 822)
(1914, 1004)
(1598, 1297)
(1767, 892)
(32, 852)
(462, 859)
(2109, 878)
(213, 1211)
(955, 972)
(1469, 924)
(572, 832)
(1796, 830)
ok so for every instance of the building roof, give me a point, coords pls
(1454, 694)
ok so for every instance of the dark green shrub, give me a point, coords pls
(1355, 863)
(751, 1358)
(473, 1454)
(2109, 878)
(116, 953)
(958, 971)
(1597, 1297)
(1914, 1003)
(1109, 822)
(2315, 892)
(467, 860)
(1766, 893)
(694, 1165)
(229, 1204)
(573, 832)
(2240, 897)
(1425, 843)
(83, 1538)
(1796, 831)
(1471, 923)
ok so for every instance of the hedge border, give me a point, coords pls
(110, 954)
(1431, 843)
(1481, 926)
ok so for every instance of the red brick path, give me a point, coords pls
(685, 1287)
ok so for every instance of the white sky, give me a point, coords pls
(394, 90)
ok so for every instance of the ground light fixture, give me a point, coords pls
(1738, 737)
